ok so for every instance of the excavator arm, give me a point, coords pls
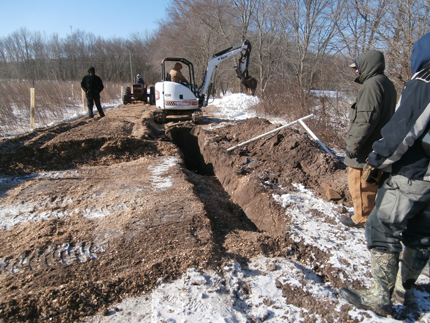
(243, 48)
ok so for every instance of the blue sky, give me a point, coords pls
(108, 18)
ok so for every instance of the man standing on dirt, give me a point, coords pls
(373, 108)
(176, 74)
(93, 85)
(402, 210)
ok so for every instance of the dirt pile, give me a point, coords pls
(269, 165)
(103, 208)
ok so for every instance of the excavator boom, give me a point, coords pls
(244, 49)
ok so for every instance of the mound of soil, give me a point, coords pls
(104, 208)
(270, 165)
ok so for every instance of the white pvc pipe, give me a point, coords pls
(268, 133)
(315, 137)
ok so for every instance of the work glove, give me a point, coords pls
(351, 154)
(371, 174)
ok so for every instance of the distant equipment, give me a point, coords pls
(139, 92)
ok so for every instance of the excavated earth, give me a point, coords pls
(99, 209)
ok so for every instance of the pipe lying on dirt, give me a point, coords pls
(268, 133)
(315, 137)
(284, 126)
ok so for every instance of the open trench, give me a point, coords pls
(242, 188)
(226, 216)
(237, 188)
(236, 234)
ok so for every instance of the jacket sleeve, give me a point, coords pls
(366, 115)
(182, 77)
(84, 85)
(101, 85)
(405, 127)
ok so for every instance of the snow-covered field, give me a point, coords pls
(213, 297)
(69, 114)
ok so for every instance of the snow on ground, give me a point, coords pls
(31, 210)
(235, 106)
(68, 115)
(218, 297)
(162, 182)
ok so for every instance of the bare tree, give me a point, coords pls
(403, 23)
(267, 41)
(310, 26)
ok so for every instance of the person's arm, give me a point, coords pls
(181, 77)
(84, 85)
(101, 86)
(405, 127)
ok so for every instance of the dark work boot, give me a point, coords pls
(378, 298)
(346, 220)
(411, 265)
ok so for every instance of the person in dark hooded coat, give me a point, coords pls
(374, 106)
(92, 86)
(402, 211)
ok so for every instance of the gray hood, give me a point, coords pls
(369, 63)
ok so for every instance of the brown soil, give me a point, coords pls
(76, 263)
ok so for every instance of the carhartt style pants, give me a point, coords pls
(363, 195)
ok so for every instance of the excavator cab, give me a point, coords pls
(187, 71)
(177, 98)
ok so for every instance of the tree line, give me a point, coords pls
(34, 56)
(297, 45)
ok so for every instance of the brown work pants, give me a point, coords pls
(363, 195)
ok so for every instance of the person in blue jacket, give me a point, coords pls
(402, 211)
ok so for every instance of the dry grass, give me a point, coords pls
(55, 101)
(330, 109)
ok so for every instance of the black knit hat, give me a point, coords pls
(92, 69)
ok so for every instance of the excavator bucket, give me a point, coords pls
(250, 84)
(247, 80)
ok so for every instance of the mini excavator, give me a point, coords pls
(187, 98)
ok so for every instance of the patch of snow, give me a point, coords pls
(309, 224)
(158, 181)
(236, 106)
(237, 294)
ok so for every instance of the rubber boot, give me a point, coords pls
(411, 265)
(378, 298)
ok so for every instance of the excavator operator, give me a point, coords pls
(176, 74)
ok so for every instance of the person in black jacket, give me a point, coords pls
(93, 85)
(402, 211)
